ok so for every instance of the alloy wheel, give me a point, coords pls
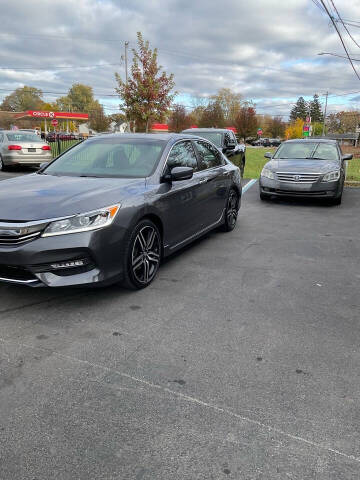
(232, 209)
(145, 256)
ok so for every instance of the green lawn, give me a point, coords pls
(255, 161)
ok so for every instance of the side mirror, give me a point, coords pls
(268, 155)
(43, 165)
(180, 173)
(348, 156)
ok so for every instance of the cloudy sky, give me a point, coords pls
(264, 49)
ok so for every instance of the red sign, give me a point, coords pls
(308, 119)
(44, 114)
(306, 128)
(54, 122)
(259, 132)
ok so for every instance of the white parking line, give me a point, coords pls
(249, 185)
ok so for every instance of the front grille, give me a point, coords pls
(16, 274)
(298, 177)
(17, 239)
(299, 193)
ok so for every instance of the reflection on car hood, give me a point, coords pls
(298, 165)
(38, 197)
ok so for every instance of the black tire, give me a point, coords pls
(336, 200)
(264, 197)
(2, 165)
(142, 255)
(231, 211)
(242, 167)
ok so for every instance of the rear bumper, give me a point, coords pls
(286, 189)
(26, 159)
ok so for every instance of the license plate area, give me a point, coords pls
(32, 150)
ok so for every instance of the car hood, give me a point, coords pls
(39, 197)
(297, 165)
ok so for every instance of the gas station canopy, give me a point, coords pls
(42, 115)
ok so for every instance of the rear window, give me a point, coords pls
(214, 137)
(23, 137)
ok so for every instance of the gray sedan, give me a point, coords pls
(22, 148)
(305, 168)
(110, 208)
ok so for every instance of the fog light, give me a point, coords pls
(69, 264)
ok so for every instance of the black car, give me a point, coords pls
(305, 168)
(226, 141)
(110, 208)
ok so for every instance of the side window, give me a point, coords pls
(182, 155)
(1, 137)
(208, 155)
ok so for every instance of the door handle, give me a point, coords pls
(202, 180)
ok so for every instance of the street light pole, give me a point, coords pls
(323, 131)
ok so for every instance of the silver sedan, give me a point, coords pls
(22, 148)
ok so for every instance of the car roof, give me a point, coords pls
(19, 130)
(311, 139)
(148, 136)
(216, 130)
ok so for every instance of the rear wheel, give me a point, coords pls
(231, 212)
(2, 165)
(142, 255)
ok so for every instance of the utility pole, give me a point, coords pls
(126, 62)
(323, 131)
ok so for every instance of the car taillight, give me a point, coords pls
(14, 147)
(45, 147)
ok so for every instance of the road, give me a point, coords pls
(241, 361)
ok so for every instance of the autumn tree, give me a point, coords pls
(80, 98)
(179, 120)
(246, 121)
(230, 103)
(276, 127)
(23, 98)
(6, 120)
(295, 129)
(147, 94)
(343, 122)
(212, 116)
(98, 121)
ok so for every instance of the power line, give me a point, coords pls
(339, 34)
(341, 20)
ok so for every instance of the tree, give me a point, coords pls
(276, 127)
(246, 121)
(79, 99)
(146, 96)
(6, 120)
(299, 110)
(343, 122)
(24, 98)
(230, 103)
(212, 116)
(179, 119)
(295, 129)
(316, 110)
(98, 121)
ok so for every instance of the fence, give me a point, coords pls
(59, 145)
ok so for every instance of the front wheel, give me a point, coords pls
(2, 165)
(264, 197)
(142, 255)
(336, 200)
(231, 212)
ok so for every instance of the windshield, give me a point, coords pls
(109, 157)
(307, 150)
(214, 137)
(23, 137)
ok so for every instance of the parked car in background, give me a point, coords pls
(35, 131)
(274, 142)
(111, 207)
(262, 142)
(305, 168)
(51, 137)
(22, 148)
(226, 141)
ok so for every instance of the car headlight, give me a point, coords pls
(331, 176)
(82, 223)
(267, 173)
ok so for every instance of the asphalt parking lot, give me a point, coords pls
(241, 361)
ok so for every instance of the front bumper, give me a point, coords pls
(31, 263)
(291, 189)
